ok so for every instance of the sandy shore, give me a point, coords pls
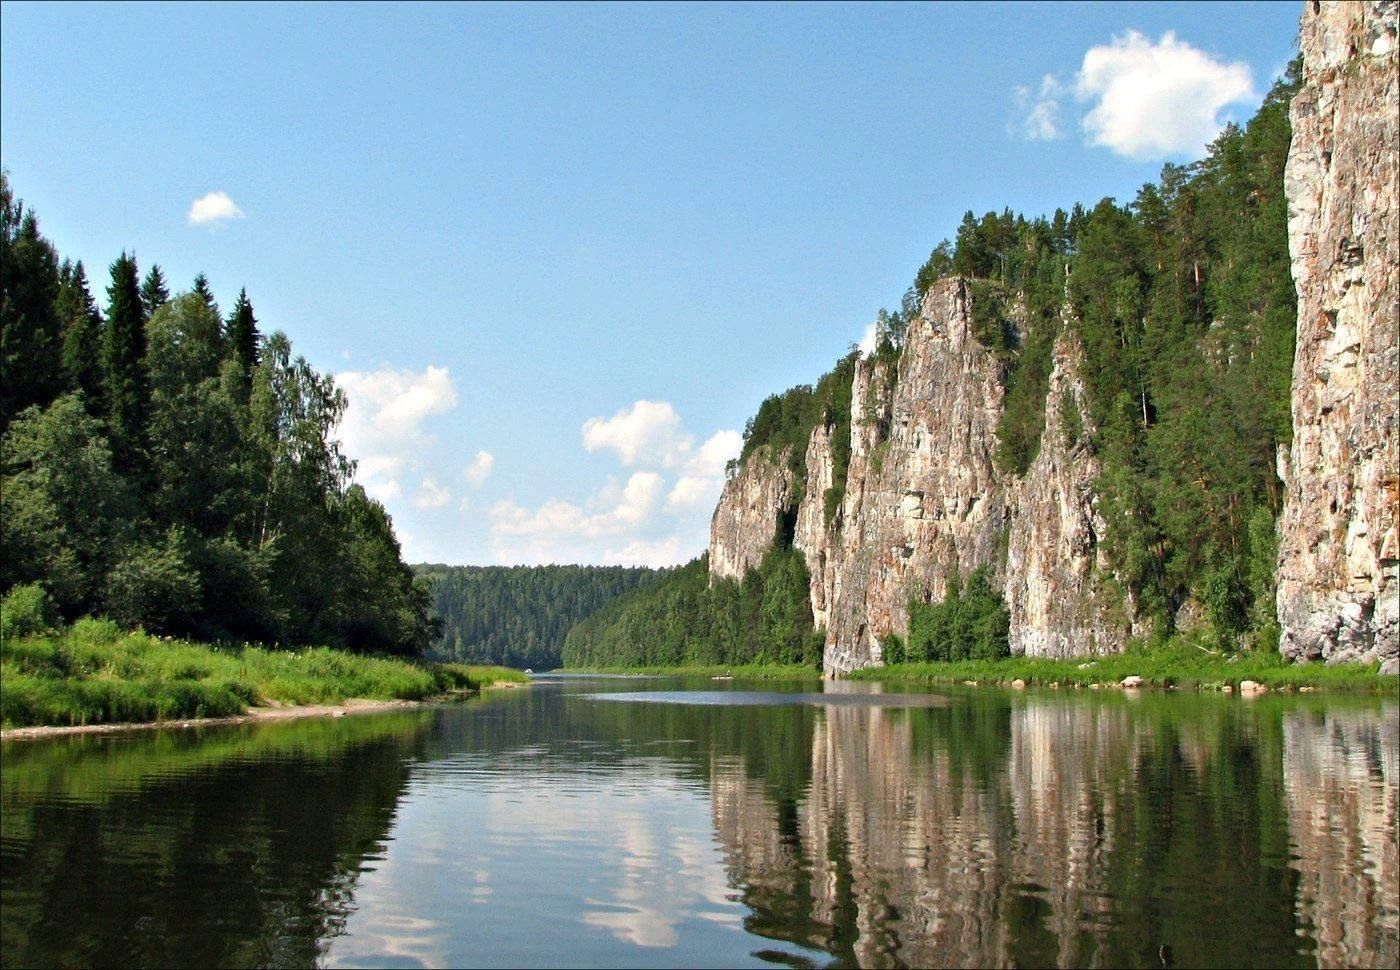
(278, 713)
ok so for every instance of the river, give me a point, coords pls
(652, 822)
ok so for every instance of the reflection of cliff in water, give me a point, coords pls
(1343, 813)
(1113, 831)
(237, 847)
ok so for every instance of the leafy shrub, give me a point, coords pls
(26, 611)
(970, 624)
(154, 587)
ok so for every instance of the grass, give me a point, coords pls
(1177, 664)
(94, 673)
(1180, 663)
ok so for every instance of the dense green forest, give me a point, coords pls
(686, 620)
(519, 615)
(170, 467)
(1185, 307)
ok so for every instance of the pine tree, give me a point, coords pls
(30, 350)
(127, 391)
(82, 335)
(154, 293)
(243, 338)
(201, 289)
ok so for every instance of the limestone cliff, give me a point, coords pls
(923, 497)
(749, 514)
(1055, 569)
(1339, 545)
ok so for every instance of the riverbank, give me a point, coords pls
(1181, 664)
(94, 674)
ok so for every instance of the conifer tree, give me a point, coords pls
(243, 338)
(201, 289)
(82, 334)
(29, 333)
(127, 392)
(154, 293)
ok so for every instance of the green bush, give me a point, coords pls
(970, 624)
(26, 611)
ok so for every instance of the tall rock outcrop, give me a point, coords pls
(1339, 539)
(749, 514)
(1054, 566)
(923, 497)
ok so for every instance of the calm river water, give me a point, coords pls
(625, 822)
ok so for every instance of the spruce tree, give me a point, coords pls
(82, 335)
(30, 371)
(243, 338)
(201, 289)
(154, 293)
(127, 392)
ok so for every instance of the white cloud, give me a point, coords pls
(431, 495)
(1152, 100)
(647, 433)
(868, 340)
(385, 491)
(1038, 110)
(480, 467)
(558, 518)
(213, 208)
(383, 425)
(626, 523)
(702, 476)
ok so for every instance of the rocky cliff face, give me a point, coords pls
(1339, 543)
(1054, 567)
(923, 497)
(749, 514)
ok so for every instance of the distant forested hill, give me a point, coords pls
(519, 615)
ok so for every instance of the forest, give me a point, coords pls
(518, 616)
(169, 466)
(1185, 307)
(687, 620)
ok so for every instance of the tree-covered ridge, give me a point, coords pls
(519, 615)
(177, 470)
(1183, 303)
(690, 619)
(1185, 307)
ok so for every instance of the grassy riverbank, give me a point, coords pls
(1178, 664)
(95, 673)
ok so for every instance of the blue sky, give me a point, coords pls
(559, 254)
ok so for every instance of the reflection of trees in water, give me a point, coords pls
(248, 860)
(1104, 831)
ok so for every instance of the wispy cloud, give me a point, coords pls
(1038, 110)
(214, 208)
(480, 468)
(626, 523)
